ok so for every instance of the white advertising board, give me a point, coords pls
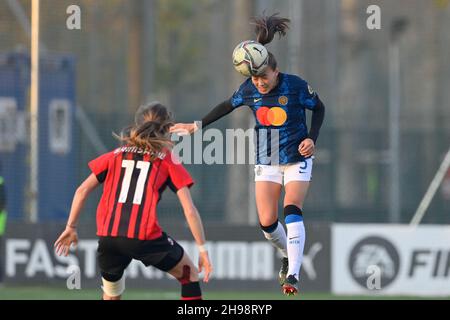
(390, 259)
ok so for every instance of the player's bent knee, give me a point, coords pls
(270, 228)
(111, 277)
(292, 213)
(113, 288)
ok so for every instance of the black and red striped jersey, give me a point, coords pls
(132, 189)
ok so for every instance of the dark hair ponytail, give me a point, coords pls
(267, 27)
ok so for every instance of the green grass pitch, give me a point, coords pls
(51, 293)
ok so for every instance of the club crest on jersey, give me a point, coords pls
(283, 100)
(258, 171)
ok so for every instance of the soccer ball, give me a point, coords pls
(250, 58)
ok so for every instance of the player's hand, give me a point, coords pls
(183, 129)
(306, 148)
(65, 240)
(204, 263)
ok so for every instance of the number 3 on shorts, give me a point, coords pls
(303, 166)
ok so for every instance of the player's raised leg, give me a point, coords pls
(267, 196)
(112, 265)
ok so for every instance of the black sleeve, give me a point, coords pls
(218, 112)
(316, 120)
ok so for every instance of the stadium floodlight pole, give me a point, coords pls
(252, 218)
(394, 133)
(34, 112)
(432, 189)
(397, 27)
(238, 178)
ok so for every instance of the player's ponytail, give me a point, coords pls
(267, 27)
(265, 30)
(151, 131)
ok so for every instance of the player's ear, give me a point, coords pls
(273, 73)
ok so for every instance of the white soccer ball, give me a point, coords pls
(250, 58)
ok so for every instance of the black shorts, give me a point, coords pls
(114, 254)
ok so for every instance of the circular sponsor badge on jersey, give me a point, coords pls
(283, 100)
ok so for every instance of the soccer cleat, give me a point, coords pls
(283, 270)
(290, 286)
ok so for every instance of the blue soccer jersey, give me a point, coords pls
(280, 117)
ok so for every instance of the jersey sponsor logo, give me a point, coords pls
(257, 100)
(310, 90)
(275, 116)
(283, 100)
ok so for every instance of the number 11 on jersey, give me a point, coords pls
(144, 167)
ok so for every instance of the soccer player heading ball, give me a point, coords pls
(134, 176)
(278, 102)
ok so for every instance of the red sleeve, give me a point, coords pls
(99, 166)
(179, 176)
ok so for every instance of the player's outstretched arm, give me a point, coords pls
(69, 235)
(183, 128)
(219, 111)
(195, 225)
